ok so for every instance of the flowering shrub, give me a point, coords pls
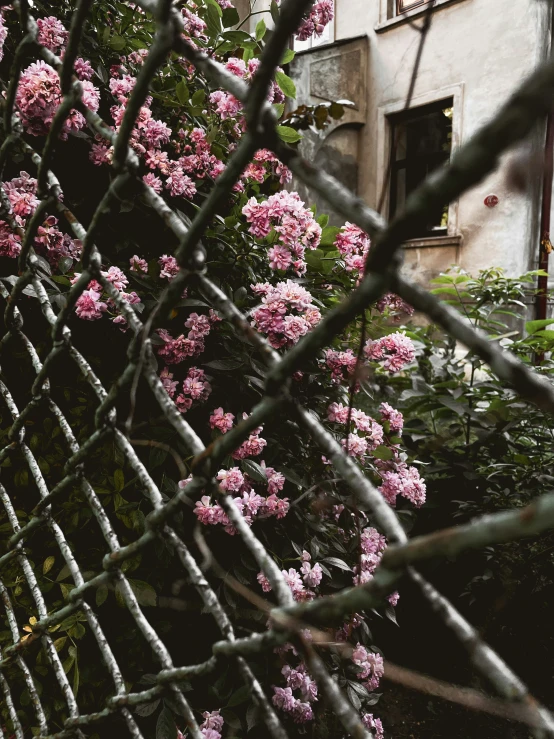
(281, 263)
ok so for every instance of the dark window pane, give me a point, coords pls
(421, 140)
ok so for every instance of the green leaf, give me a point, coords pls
(383, 452)
(182, 92)
(533, 326)
(224, 364)
(165, 725)
(292, 477)
(119, 480)
(323, 220)
(261, 28)
(247, 55)
(279, 108)
(274, 10)
(145, 593)
(117, 43)
(286, 84)
(101, 594)
(239, 696)
(230, 17)
(288, 56)
(237, 37)
(329, 235)
(336, 562)
(254, 470)
(147, 709)
(198, 98)
(48, 564)
(288, 135)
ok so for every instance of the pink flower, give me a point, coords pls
(393, 303)
(395, 351)
(221, 421)
(311, 575)
(137, 264)
(357, 445)
(320, 16)
(212, 720)
(180, 184)
(152, 181)
(394, 418)
(10, 242)
(116, 277)
(168, 382)
(38, 97)
(51, 33)
(284, 699)
(83, 69)
(230, 480)
(264, 582)
(89, 306)
(169, 267)
(406, 482)
(374, 725)
(3, 36)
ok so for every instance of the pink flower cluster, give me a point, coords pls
(39, 95)
(177, 350)
(197, 159)
(51, 33)
(253, 446)
(394, 351)
(296, 679)
(392, 417)
(374, 725)
(341, 364)
(286, 314)
(394, 304)
(373, 545)
(251, 505)
(294, 227)
(353, 244)
(358, 446)
(404, 481)
(371, 667)
(221, 421)
(225, 104)
(89, 307)
(3, 36)
(321, 14)
(266, 163)
(298, 582)
(211, 727)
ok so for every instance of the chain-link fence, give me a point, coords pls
(472, 162)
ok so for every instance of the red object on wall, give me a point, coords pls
(491, 201)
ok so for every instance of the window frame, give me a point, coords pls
(383, 142)
(397, 165)
(413, 4)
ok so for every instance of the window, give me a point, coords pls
(404, 5)
(421, 141)
(397, 7)
(327, 37)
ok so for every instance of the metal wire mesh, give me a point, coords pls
(470, 164)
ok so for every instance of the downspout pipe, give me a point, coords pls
(545, 246)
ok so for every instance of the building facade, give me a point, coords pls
(475, 54)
